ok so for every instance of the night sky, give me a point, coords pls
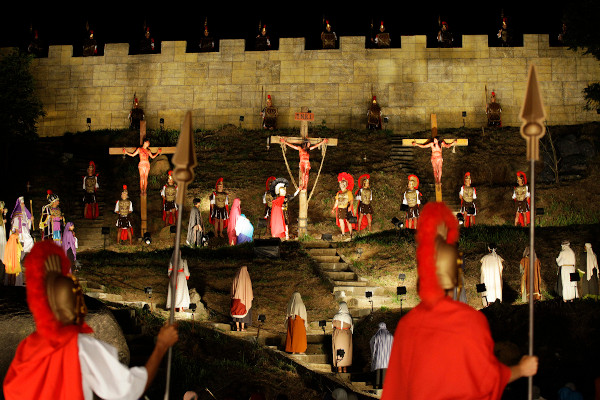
(118, 23)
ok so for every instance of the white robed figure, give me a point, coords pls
(182, 294)
(491, 274)
(21, 223)
(566, 262)
(243, 229)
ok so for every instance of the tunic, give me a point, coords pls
(491, 275)
(444, 351)
(341, 338)
(566, 262)
(194, 236)
(2, 236)
(182, 294)
(295, 339)
(277, 218)
(381, 348)
(590, 284)
(537, 266)
(412, 198)
(468, 195)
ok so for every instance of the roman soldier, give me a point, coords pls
(269, 115)
(444, 36)
(328, 37)
(52, 221)
(382, 39)
(494, 112)
(207, 43)
(279, 221)
(36, 47)
(521, 198)
(219, 208)
(374, 115)
(90, 46)
(344, 203)
(135, 115)
(364, 197)
(168, 194)
(467, 195)
(262, 40)
(90, 186)
(411, 202)
(147, 43)
(124, 208)
(504, 34)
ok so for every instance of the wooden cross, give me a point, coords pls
(114, 151)
(444, 143)
(304, 117)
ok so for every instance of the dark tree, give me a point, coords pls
(582, 32)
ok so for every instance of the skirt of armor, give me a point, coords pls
(123, 222)
(89, 198)
(270, 122)
(413, 212)
(219, 213)
(468, 205)
(522, 206)
(365, 209)
(342, 213)
(169, 205)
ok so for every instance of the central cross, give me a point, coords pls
(297, 143)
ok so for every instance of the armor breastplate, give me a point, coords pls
(468, 194)
(90, 184)
(411, 198)
(55, 212)
(521, 193)
(494, 109)
(343, 199)
(269, 199)
(328, 40)
(374, 115)
(365, 196)
(170, 192)
(270, 112)
(124, 207)
(383, 40)
(220, 198)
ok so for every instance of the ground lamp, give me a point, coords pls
(148, 291)
(322, 324)
(369, 296)
(460, 218)
(105, 233)
(359, 250)
(88, 121)
(401, 289)
(261, 318)
(481, 289)
(241, 120)
(162, 124)
(192, 308)
(327, 236)
(173, 229)
(397, 223)
(147, 238)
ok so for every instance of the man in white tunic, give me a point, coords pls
(491, 274)
(60, 360)
(182, 294)
(566, 264)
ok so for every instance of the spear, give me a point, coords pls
(184, 161)
(532, 131)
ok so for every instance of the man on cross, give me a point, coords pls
(144, 165)
(303, 150)
(436, 156)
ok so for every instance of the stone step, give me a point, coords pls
(356, 283)
(322, 252)
(310, 358)
(322, 368)
(327, 267)
(341, 275)
(363, 302)
(327, 259)
(106, 296)
(357, 291)
(318, 244)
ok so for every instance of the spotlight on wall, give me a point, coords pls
(88, 121)
(386, 120)
(147, 238)
(241, 118)
(162, 124)
(464, 114)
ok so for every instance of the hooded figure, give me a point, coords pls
(591, 273)
(241, 299)
(182, 294)
(537, 278)
(444, 348)
(381, 348)
(69, 242)
(566, 267)
(341, 338)
(234, 214)
(296, 322)
(491, 274)
(21, 223)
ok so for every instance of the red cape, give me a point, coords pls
(277, 219)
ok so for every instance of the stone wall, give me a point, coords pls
(410, 83)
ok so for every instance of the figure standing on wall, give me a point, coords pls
(124, 208)
(494, 112)
(504, 34)
(328, 38)
(169, 193)
(135, 115)
(444, 36)
(90, 186)
(52, 220)
(144, 165)
(90, 46)
(207, 43)
(382, 39)
(36, 47)
(303, 151)
(521, 198)
(147, 45)
(436, 156)
(269, 115)
(411, 202)
(374, 115)
(467, 195)
(219, 208)
(262, 40)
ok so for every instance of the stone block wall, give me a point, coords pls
(410, 83)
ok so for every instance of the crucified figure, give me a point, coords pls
(436, 156)
(303, 150)
(144, 165)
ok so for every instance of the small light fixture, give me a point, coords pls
(322, 325)
(539, 211)
(397, 223)
(460, 218)
(386, 120)
(359, 250)
(193, 307)
(147, 238)
(148, 291)
(173, 229)
(162, 124)
(327, 236)
(400, 290)
(262, 318)
(88, 121)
